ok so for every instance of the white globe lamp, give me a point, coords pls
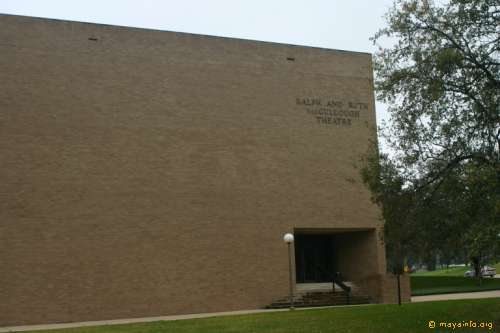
(288, 238)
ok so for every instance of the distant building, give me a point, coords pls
(151, 173)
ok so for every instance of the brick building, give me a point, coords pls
(150, 173)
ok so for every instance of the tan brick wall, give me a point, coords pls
(389, 290)
(356, 254)
(151, 173)
(383, 288)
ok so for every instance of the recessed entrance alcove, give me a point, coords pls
(321, 254)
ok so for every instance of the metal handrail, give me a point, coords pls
(336, 279)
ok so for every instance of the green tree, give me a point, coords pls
(441, 81)
(461, 215)
(480, 213)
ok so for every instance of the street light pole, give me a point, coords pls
(288, 238)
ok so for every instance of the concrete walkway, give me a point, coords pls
(481, 294)
(471, 295)
(147, 319)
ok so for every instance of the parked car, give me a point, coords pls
(485, 271)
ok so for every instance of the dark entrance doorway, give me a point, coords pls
(314, 258)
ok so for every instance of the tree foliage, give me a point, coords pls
(441, 81)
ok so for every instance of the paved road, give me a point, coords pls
(442, 297)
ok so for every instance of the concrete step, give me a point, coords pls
(317, 304)
(324, 286)
(321, 300)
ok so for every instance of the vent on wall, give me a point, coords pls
(94, 39)
(290, 58)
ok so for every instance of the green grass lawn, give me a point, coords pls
(427, 285)
(413, 317)
(453, 271)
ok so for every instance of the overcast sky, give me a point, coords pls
(334, 24)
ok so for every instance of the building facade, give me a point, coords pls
(150, 173)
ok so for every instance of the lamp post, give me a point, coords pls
(288, 238)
